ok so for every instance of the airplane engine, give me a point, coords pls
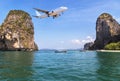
(55, 16)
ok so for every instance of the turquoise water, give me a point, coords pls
(50, 66)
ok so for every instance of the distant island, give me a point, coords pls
(17, 32)
(107, 34)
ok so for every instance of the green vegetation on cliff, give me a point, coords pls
(17, 32)
(19, 12)
(112, 46)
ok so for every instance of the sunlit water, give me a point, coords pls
(50, 66)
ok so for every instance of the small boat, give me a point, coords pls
(60, 51)
(83, 50)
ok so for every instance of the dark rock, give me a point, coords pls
(107, 31)
(17, 32)
(88, 46)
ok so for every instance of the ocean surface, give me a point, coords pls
(51, 66)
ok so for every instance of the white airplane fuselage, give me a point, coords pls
(54, 13)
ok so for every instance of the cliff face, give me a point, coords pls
(107, 31)
(17, 32)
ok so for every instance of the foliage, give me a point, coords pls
(113, 46)
(18, 20)
(18, 12)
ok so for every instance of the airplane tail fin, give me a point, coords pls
(37, 13)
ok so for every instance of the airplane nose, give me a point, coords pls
(65, 8)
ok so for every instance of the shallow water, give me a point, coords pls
(50, 66)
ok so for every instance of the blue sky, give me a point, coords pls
(69, 31)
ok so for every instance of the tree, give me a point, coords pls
(113, 46)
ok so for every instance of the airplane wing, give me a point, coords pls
(44, 11)
(36, 16)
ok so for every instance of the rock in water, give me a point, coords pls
(17, 32)
(88, 46)
(107, 31)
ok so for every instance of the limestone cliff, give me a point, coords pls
(107, 31)
(17, 32)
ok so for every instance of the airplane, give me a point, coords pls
(55, 13)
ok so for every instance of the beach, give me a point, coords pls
(107, 50)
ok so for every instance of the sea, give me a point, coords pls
(46, 65)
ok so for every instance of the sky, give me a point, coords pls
(72, 29)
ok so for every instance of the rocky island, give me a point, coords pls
(107, 34)
(17, 32)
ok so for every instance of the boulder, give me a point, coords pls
(88, 46)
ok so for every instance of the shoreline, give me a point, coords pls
(107, 50)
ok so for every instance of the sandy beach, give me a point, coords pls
(108, 50)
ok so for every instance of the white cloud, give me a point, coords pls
(76, 41)
(82, 42)
(90, 39)
(117, 18)
(72, 44)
